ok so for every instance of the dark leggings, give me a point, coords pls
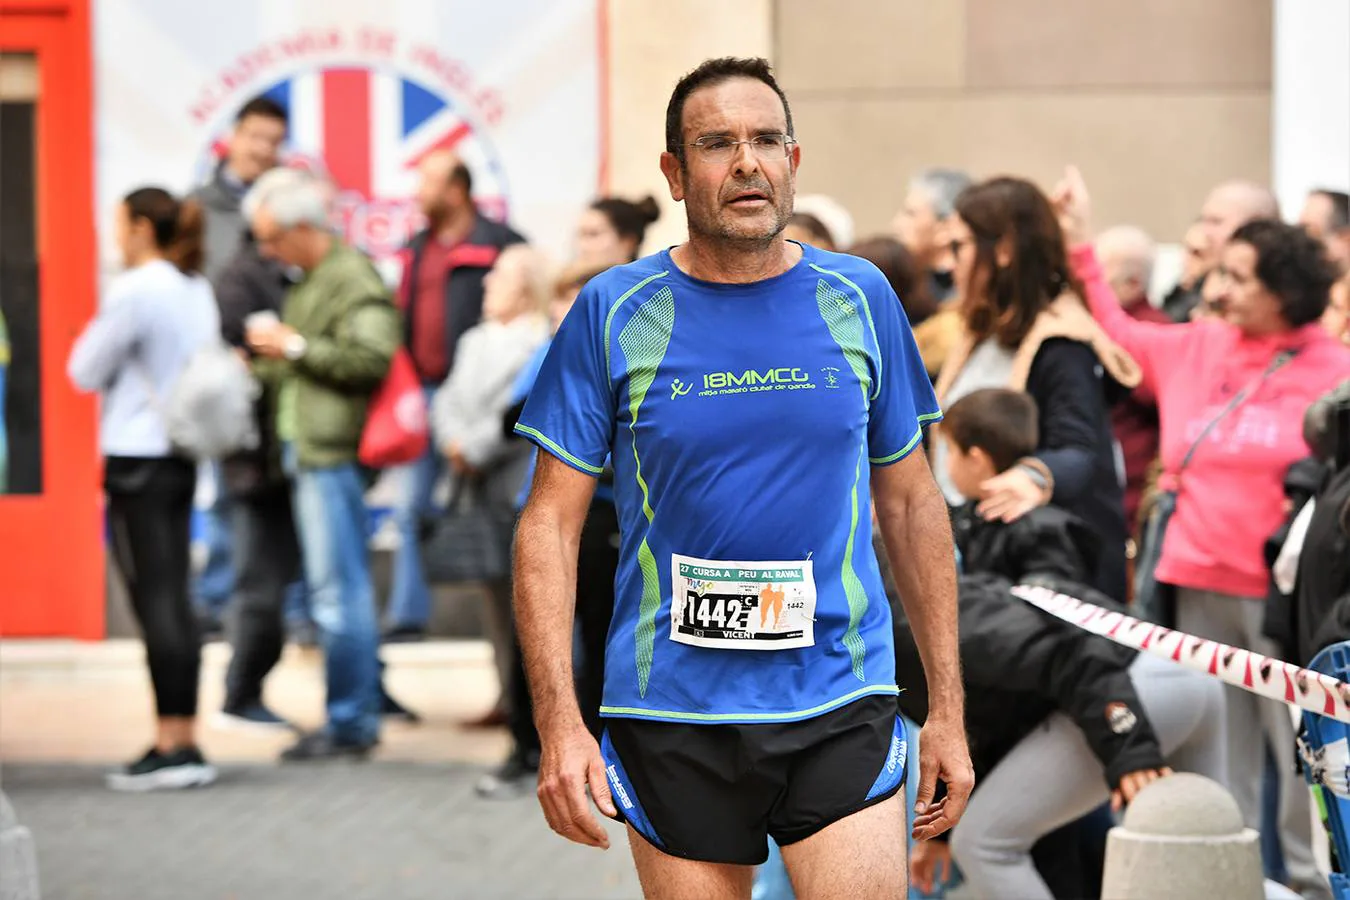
(149, 518)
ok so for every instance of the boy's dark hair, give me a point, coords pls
(999, 421)
(265, 107)
(713, 72)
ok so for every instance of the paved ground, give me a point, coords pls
(406, 825)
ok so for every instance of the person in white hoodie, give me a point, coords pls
(153, 318)
(468, 409)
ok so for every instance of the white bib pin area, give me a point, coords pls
(741, 605)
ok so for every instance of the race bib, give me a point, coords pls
(742, 605)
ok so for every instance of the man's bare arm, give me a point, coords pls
(547, 539)
(917, 530)
(914, 523)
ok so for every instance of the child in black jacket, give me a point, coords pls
(1058, 719)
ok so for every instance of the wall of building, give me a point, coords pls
(651, 46)
(1154, 99)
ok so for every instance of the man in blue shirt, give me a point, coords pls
(753, 395)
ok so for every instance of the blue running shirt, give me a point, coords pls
(743, 420)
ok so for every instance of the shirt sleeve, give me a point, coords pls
(106, 343)
(903, 402)
(570, 412)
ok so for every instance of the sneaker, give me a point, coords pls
(320, 745)
(403, 634)
(515, 778)
(392, 709)
(251, 715)
(155, 771)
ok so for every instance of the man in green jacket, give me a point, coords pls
(332, 349)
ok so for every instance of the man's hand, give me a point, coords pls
(929, 864)
(269, 340)
(458, 464)
(943, 756)
(1134, 782)
(569, 764)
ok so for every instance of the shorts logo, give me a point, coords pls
(1120, 718)
(624, 801)
(897, 755)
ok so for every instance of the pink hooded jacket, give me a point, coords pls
(1231, 496)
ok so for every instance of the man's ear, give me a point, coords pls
(674, 172)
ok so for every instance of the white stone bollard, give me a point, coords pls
(1183, 839)
(18, 858)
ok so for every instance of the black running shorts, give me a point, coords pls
(715, 793)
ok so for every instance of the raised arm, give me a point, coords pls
(912, 516)
(1152, 344)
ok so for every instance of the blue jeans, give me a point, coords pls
(771, 879)
(330, 513)
(213, 586)
(409, 595)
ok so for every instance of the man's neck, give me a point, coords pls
(456, 225)
(735, 262)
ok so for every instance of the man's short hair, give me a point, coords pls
(1340, 209)
(710, 73)
(262, 106)
(941, 187)
(461, 175)
(1001, 422)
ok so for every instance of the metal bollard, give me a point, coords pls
(1183, 839)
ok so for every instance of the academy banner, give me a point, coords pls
(517, 89)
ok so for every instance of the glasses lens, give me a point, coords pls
(770, 146)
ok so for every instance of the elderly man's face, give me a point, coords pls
(287, 246)
(917, 226)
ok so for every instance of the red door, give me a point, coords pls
(51, 550)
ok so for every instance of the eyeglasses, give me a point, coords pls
(719, 148)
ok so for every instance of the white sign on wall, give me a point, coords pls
(370, 87)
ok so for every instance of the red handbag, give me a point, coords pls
(396, 429)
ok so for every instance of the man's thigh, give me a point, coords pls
(862, 855)
(666, 877)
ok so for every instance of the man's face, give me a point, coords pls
(1316, 215)
(255, 146)
(1122, 273)
(436, 196)
(917, 226)
(1224, 212)
(744, 198)
(287, 246)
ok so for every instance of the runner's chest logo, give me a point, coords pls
(746, 381)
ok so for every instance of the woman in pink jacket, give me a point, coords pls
(1232, 392)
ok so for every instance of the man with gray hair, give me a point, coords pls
(919, 224)
(1127, 254)
(1229, 206)
(331, 350)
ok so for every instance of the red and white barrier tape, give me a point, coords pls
(1250, 671)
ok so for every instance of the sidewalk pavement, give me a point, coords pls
(406, 825)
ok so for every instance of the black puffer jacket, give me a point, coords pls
(1019, 664)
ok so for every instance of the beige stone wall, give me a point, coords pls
(651, 46)
(1154, 99)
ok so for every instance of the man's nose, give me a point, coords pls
(745, 161)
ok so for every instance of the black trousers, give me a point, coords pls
(597, 562)
(149, 516)
(267, 560)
